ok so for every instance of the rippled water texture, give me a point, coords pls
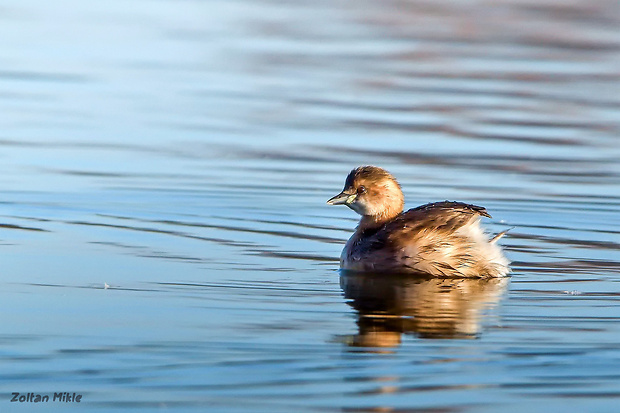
(165, 240)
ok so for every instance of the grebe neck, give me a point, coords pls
(370, 222)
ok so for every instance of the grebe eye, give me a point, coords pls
(361, 189)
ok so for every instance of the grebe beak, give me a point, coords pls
(342, 199)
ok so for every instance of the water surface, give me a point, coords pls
(164, 234)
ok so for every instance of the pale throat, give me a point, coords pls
(381, 217)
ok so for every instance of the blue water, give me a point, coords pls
(164, 237)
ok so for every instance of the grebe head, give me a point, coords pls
(371, 192)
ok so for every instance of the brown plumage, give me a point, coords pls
(442, 238)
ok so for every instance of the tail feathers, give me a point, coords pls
(498, 236)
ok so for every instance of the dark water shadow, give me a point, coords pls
(390, 305)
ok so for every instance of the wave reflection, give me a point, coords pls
(433, 308)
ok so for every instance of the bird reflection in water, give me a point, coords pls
(389, 305)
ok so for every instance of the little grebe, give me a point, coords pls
(442, 238)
